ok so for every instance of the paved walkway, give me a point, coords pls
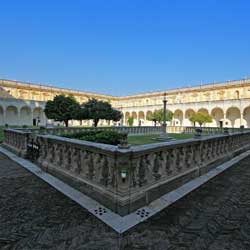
(33, 215)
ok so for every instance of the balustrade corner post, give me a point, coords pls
(124, 141)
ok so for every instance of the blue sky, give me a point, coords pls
(124, 46)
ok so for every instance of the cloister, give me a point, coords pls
(233, 113)
(18, 112)
(228, 103)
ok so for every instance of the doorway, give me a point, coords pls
(221, 124)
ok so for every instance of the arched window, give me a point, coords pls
(237, 94)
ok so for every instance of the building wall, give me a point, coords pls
(20, 112)
(228, 103)
(21, 103)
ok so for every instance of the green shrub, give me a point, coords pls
(88, 138)
(106, 137)
(81, 134)
(130, 121)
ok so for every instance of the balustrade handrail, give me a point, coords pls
(137, 148)
(65, 130)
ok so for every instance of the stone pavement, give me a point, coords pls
(34, 215)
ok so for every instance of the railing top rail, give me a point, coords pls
(16, 130)
(178, 143)
(80, 143)
(203, 127)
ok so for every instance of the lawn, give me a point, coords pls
(148, 139)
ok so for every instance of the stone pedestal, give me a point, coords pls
(164, 137)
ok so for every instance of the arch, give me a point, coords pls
(127, 115)
(141, 118)
(246, 116)
(12, 115)
(188, 114)
(1, 116)
(25, 116)
(178, 117)
(141, 115)
(217, 115)
(134, 115)
(149, 112)
(148, 122)
(203, 110)
(233, 115)
(38, 116)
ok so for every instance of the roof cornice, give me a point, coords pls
(195, 88)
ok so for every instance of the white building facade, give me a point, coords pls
(228, 103)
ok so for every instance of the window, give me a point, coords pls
(237, 94)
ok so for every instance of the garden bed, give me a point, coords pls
(114, 137)
(106, 137)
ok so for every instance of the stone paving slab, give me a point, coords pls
(33, 215)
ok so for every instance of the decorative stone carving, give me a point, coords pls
(209, 151)
(135, 164)
(76, 161)
(158, 165)
(57, 155)
(170, 162)
(88, 163)
(197, 155)
(142, 171)
(189, 156)
(60, 155)
(180, 158)
(67, 157)
(112, 172)
(104, 170)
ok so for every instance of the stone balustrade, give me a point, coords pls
(16, 140)
(126, 179)
(136, 130)
(205, 130)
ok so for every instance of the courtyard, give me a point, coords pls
(125, 125)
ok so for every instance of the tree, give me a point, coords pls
(157, 116)
(96, 110)
(62, 108)
(201, 118)
(131, 121)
